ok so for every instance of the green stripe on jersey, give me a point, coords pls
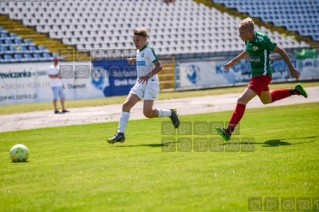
(154, 54)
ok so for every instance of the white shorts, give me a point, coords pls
(148, 92)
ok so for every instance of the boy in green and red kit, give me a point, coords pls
(258, 48)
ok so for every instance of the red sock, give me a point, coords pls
(281, 94)
(236, 117)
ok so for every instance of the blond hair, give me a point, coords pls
(141, 32)
(247, 23)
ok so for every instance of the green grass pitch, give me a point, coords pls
(74, 169)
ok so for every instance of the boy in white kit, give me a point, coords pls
(147, 86)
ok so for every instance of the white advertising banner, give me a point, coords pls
(209, 74)
(201, 74)
(29, 82)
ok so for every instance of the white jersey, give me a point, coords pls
(54, 70)
(144, 64)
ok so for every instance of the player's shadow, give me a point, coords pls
(160, 145)
(269, 143)
(275, 142)
(141, 145)
(283, 142)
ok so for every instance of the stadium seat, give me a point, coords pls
(23, 49)
(110, 23)
(4, 49)
(47, 56)
(8, 58)
(13, 49)
(43, 49)
(18, 58)
(28, 42)
(37, 56)
(18, 41)
(8, 42)
(33, 49)
(4, 35)
(292, 14)
(28, 57)
(13, 35)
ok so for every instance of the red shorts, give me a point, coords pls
(259, 84)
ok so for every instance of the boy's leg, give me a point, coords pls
(279, 94)
(130, 101)
(171, 113)
(148, 110)
(239, 111)
(237, 115)
(151, 93)
(284, 93)
(255, 87)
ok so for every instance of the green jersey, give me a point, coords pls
(259, 50)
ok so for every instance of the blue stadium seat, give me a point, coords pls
(28, 57)
(13, 35)
(33, 49)
(8, 58)
(28, 42)
(23, 49)
(13, 49)
(19, 41)
(4, 35)
(8, 42)
(4, 49)
(43, 49)
(37, 56)
(47, 56)
(18, 57)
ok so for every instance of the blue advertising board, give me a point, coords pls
(120, 74)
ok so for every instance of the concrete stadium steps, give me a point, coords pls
(167, 76)
(258, 22)
(54, 46)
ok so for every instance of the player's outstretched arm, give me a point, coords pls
(231, 63)
(284, 55)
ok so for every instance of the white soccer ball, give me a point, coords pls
(19, 153)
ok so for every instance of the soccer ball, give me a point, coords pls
(19, 153)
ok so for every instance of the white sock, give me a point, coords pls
(164, 112)
(123, 121)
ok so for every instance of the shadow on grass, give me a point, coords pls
(145, 145)
(269, 143)
(283, 142)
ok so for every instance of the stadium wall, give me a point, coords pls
(208, 74)
(29, 82)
